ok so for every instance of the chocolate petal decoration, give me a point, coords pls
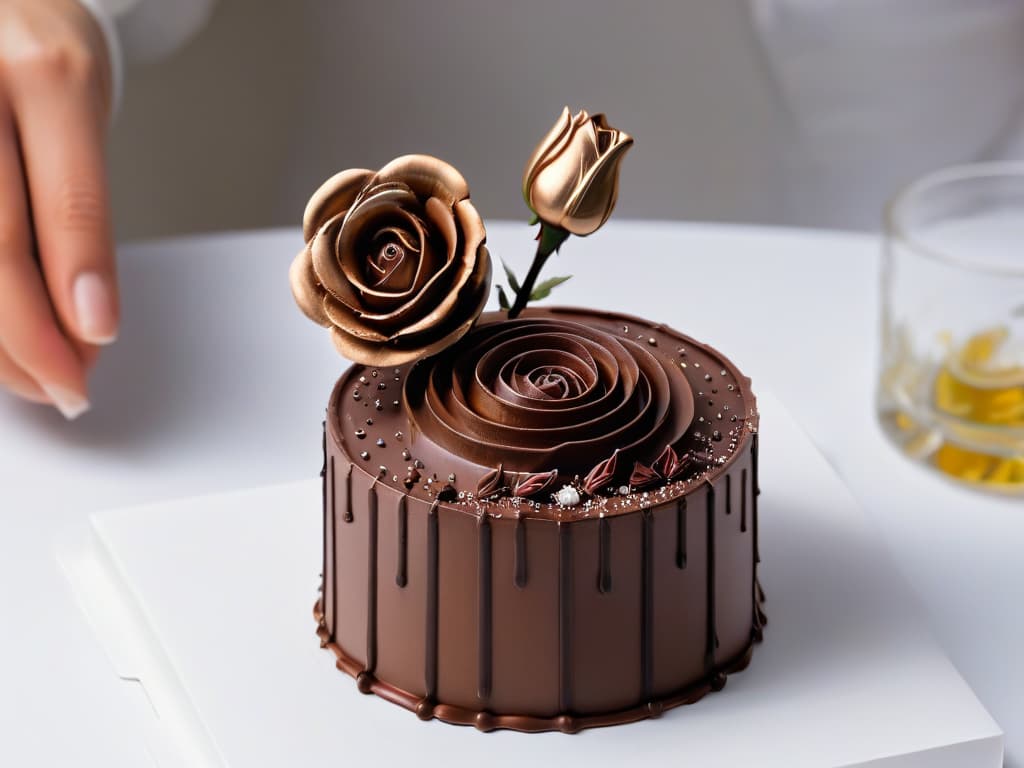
(307, 292)
(643, 476)
(546, 149)
(594, 199)
(334, 196)
(602, 475)
(531, 485)
(571, 181)
(427, 176)
(395, 263)
(492, 484)
(670, 465)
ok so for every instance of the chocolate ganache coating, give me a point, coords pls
(464, 581)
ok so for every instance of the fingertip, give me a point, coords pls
(71, 404)
(95, 305)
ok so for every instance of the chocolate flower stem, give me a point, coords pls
(551, 238)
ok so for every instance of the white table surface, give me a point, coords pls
(218, 383)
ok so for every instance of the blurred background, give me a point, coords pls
(792, 112)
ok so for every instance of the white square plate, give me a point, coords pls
(207, 602)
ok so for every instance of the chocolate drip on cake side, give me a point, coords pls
(647, 605)
(728, 494)
(564, 618)
(743, 501)
(402, 569)
(604, 556)
(484, 599)
(756, 492)
(711, 640)
(334, 549)
(323, 511)
(348, 495)
(430, 645)
(520, 575)
(371, 590)
(681, 532)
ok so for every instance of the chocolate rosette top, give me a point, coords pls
(394, 263)
(548, 395)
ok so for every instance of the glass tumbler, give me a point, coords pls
(951, 387)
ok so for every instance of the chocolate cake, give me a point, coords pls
(537, 518)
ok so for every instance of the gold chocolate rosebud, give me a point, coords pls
(395, 263)
(572, 178)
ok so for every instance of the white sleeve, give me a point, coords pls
(145, 29)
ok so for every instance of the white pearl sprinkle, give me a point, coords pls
(568, 496)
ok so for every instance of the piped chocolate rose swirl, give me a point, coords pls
(544, 395)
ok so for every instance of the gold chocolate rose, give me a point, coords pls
(572, 179)
(395, 263)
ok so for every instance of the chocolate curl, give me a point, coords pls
(492, 484)
(601, 475)
(411, 478)
(531, 485)
(670, 465)
(448, 493)
(643, 476)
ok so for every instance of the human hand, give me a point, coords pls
(58, 290)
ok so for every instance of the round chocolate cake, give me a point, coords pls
(549, 524)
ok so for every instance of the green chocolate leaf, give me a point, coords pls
(503, 299)
(543, 290)
(512, 281)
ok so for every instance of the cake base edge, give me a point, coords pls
(483, 720)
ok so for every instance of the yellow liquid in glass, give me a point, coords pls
(976, 388)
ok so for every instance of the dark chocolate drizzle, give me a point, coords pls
(564, 619)
(604, 556)
(371, 589)
(484, 607)
(430, 645)
(334, 544)
(743, 501)
(323, 509)
(402, 571)
(728, 494)
(519, 576)
(681, 532)
(348, 493)
(756, 492)
(647, 605)
(712, 633)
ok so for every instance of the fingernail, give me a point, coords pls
(68, 402)
(94, 306)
